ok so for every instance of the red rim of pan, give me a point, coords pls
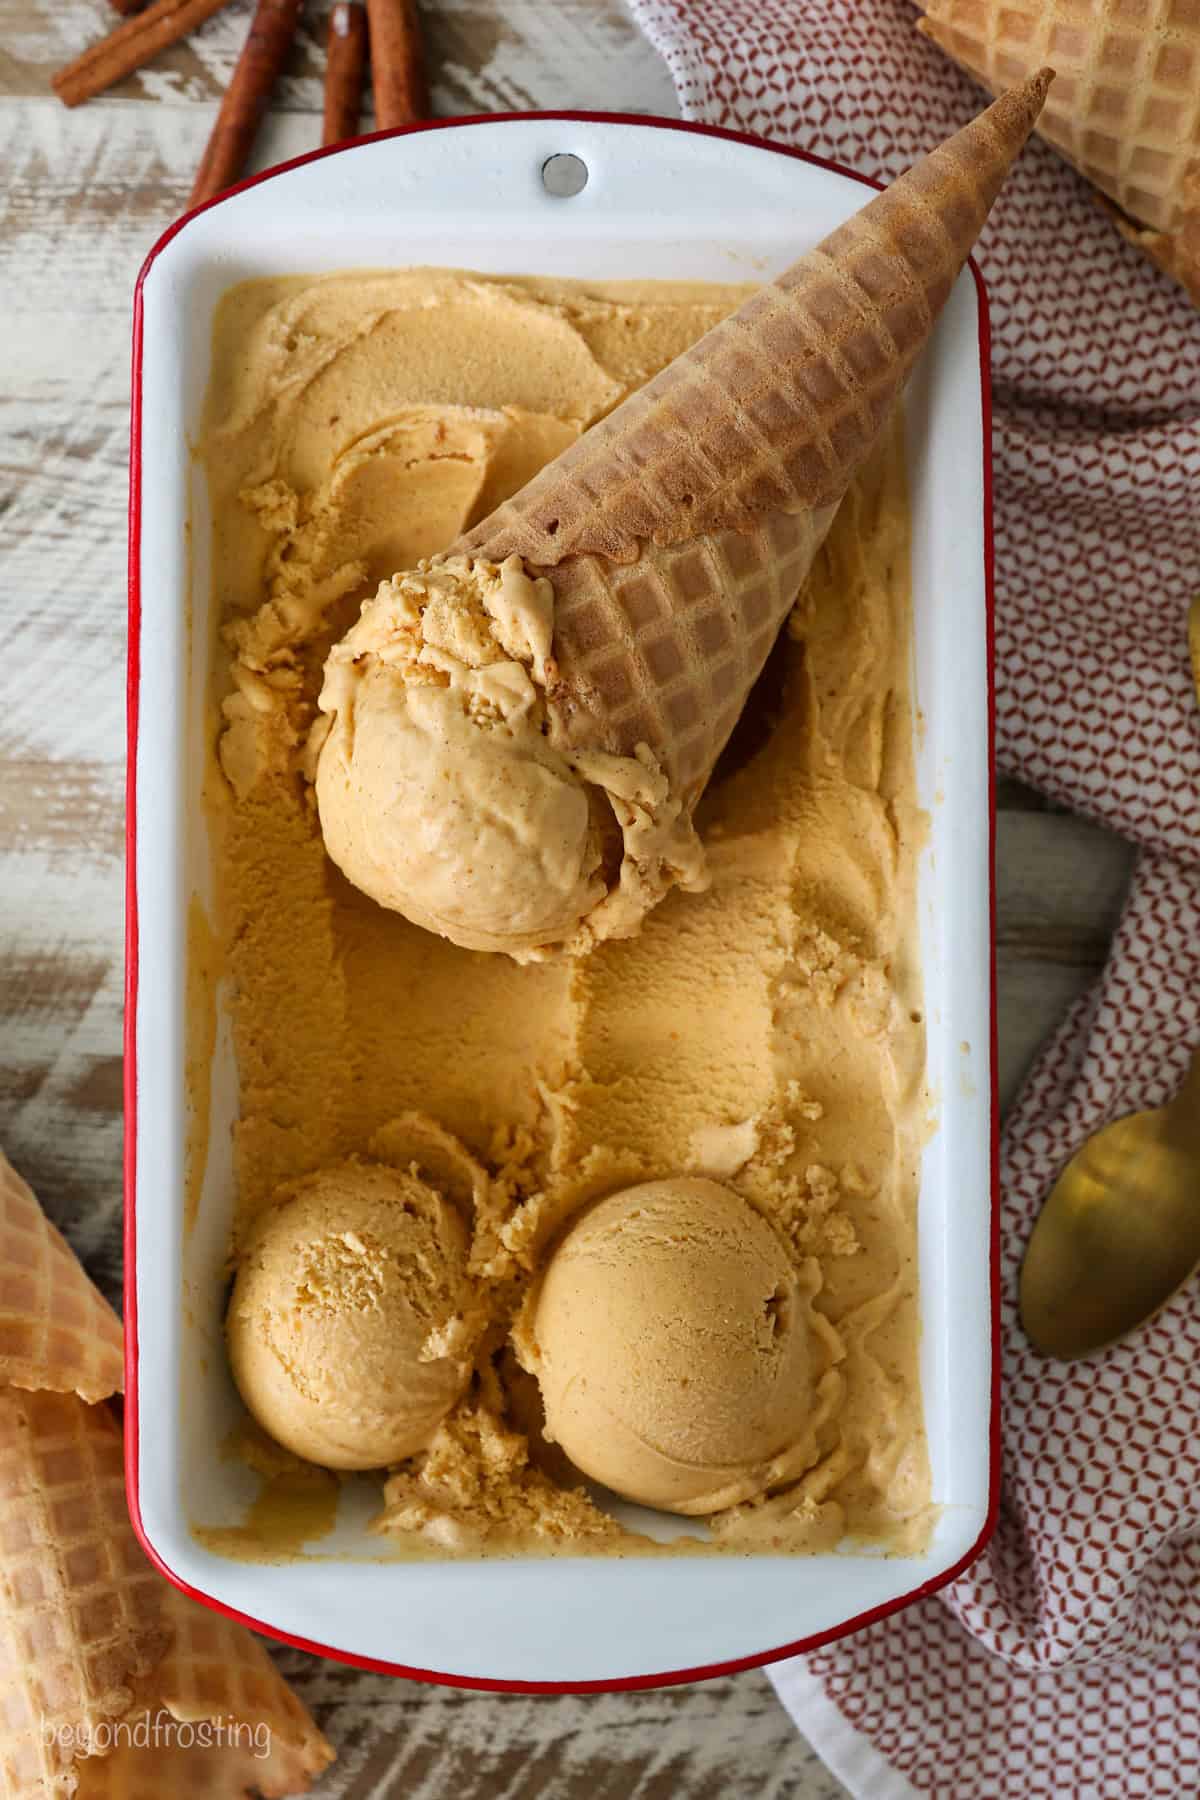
(668, 1677)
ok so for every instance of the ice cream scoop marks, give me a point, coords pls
(576, 661)
(379, 1320)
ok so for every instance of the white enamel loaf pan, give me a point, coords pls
(660, 200)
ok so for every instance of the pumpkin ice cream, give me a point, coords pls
(759, 1033)
(678, 1354)
(350, 1324)
(439, 791)
(636, 709)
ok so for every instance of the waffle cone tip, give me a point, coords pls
(1024, 103)
(778, 406)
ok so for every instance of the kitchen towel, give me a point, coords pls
(1065, 1662)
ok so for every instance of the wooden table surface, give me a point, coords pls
(82, 198)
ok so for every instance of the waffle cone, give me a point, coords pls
(92, 1640)
(678, 531)
(80, 1607)
(1125, 107)
(56, 1330)
(214, 1674)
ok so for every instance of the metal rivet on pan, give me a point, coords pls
(564, 175)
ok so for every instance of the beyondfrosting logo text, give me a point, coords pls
(159, 1731)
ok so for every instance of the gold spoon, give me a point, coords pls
(1120, 1232)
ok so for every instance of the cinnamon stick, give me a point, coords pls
(246, 98)
(397, 63)
(130, 46)
(127, 7)
(345, 65)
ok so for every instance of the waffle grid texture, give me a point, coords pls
(56, 1329)
(92, 1639)
(778, 405)
(664, 650)
(1124, 108)
(678, 532)
(214, 1671)
(80, 1616)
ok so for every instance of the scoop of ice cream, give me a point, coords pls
(351, 1321)
(442, 792)
(672, 1338)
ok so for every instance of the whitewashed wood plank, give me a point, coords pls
(1060, 885)
(716, 1740)
(1034, 994)
(525, 55)
(1013, 796)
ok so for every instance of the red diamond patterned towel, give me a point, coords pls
(1065, 1665)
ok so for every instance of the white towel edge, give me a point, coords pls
(852, 1758)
